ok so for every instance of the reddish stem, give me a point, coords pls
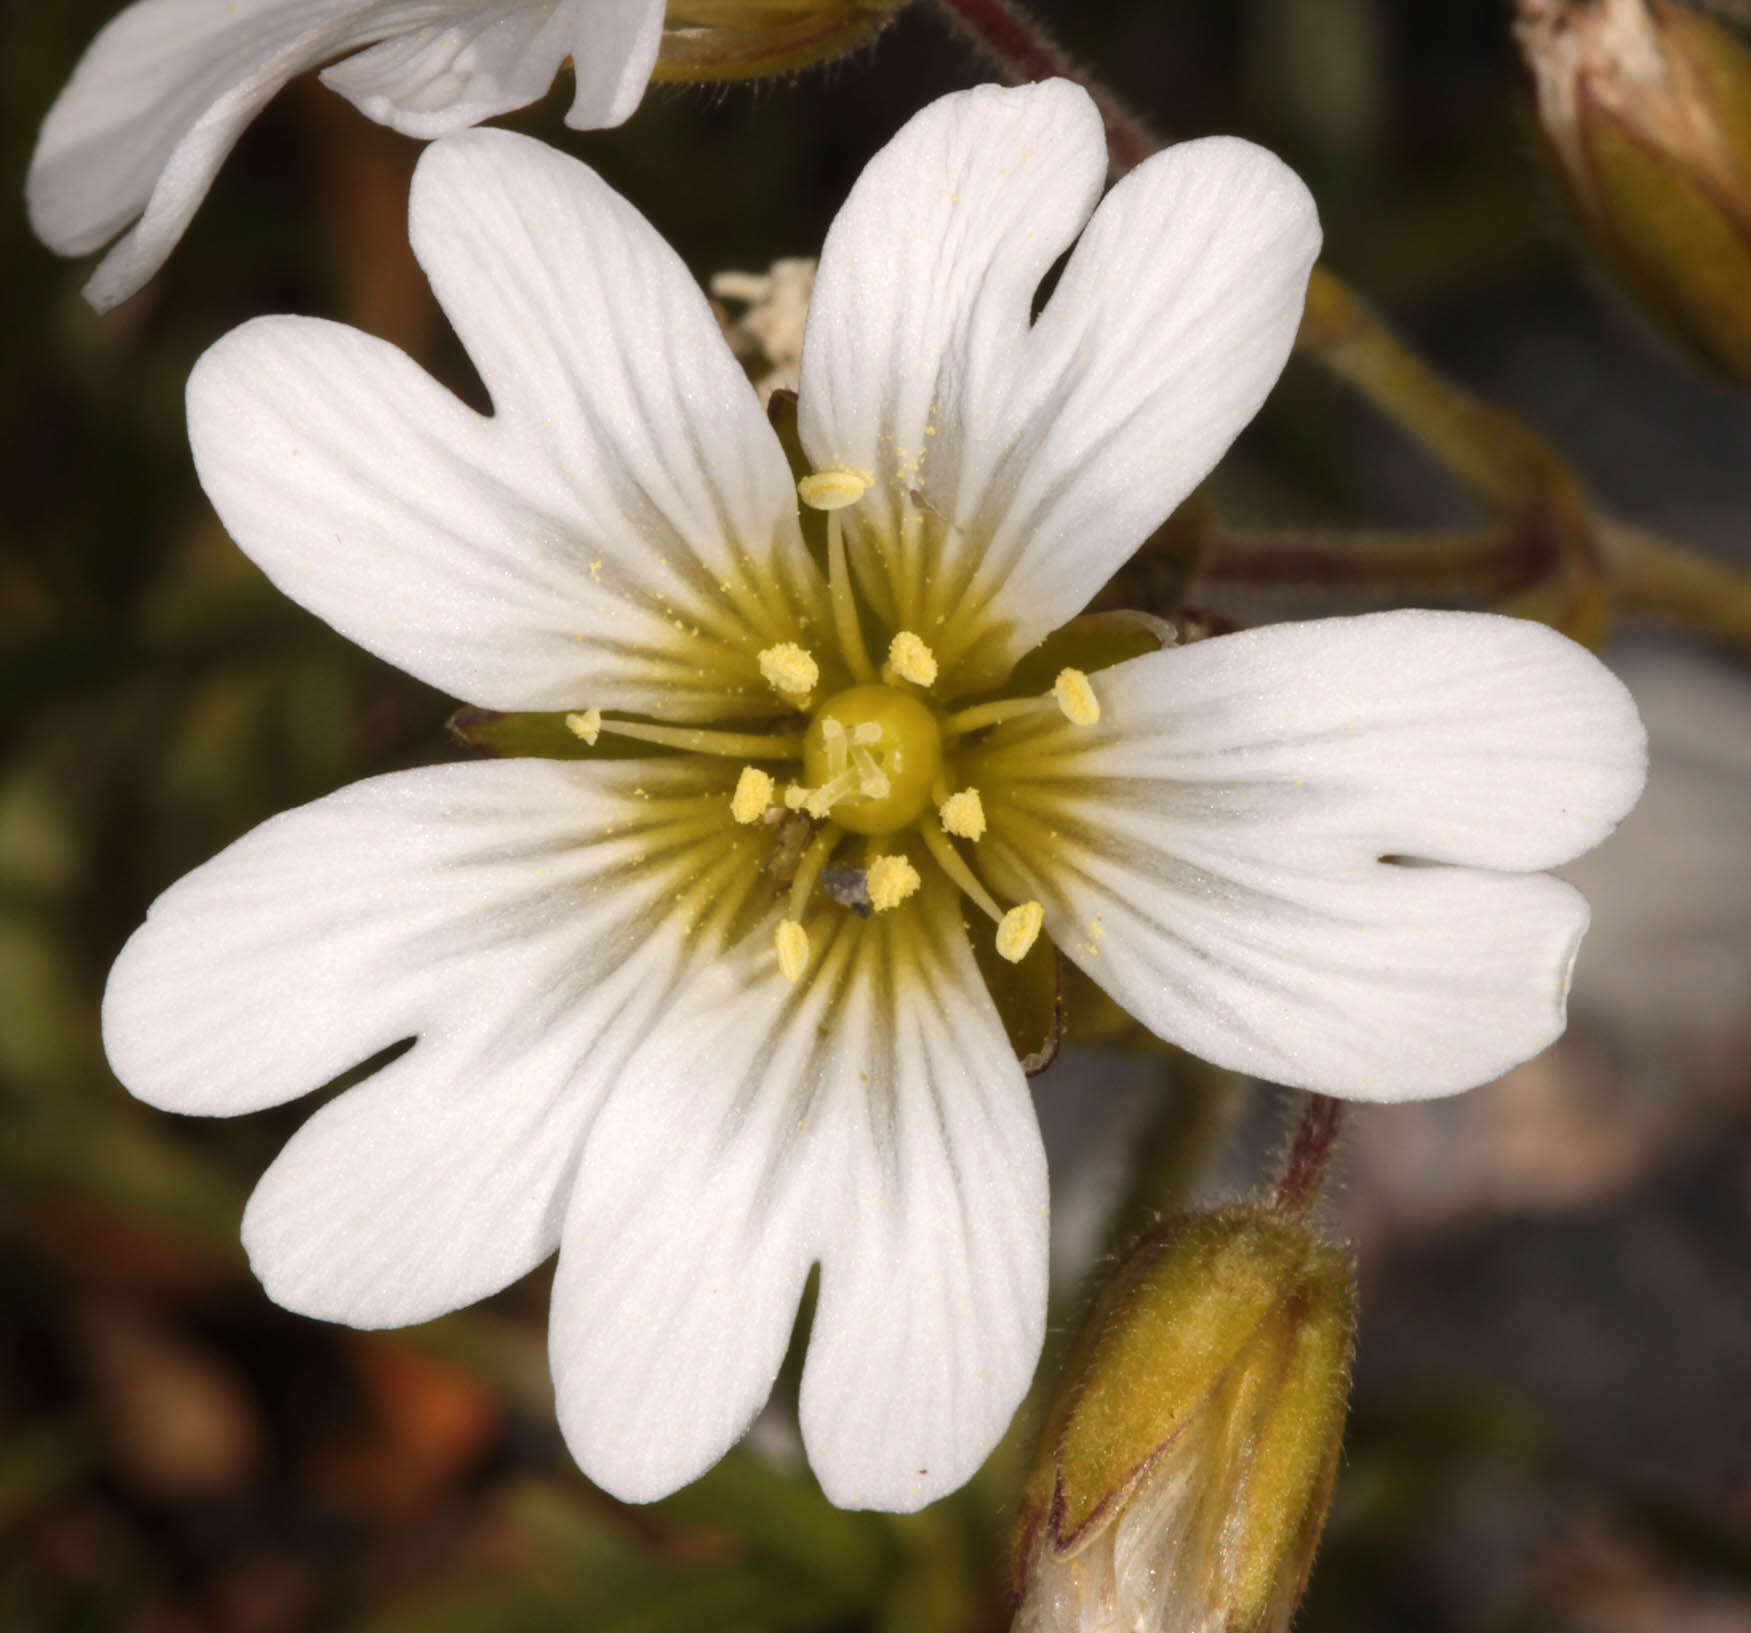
(1023, 52)
(1304, 1169)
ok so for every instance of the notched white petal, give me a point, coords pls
(168, 86)
(1233, 851)
(1047, 449)
(525, 921)
(622, 530)
(476, 62)
(870, 1118)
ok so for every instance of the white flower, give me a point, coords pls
(168, 86)
(637, 1042)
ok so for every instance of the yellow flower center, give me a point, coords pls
(878, 760)
(870, 757)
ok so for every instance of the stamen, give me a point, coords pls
(992, 714)
(754, 790)
(832, 490)
(850, 631)
(1076, 697)
(1019, 930)
(909, 591)
(789, 670)
(911, 659)
(809, 869)
(796, 796)
(587, 725)
(951, 862)
(792, 941)
(734, 745)
(963, 814)
(890, 880)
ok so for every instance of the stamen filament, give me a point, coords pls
(994, 714)
(845, 621)
(951, 862)
(809, 869)
(735, 745)
(911, 555)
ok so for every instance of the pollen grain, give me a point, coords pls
(963, 815)
(911, 659)
(890, 880)
(754, 791)
(1019, 930)
(1076, 697)
(832, 490)
(789, 670)
(792, 941)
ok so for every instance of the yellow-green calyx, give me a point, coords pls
(1188, 1459)
(705, 40)
(1646, 106)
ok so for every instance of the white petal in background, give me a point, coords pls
(873, 1118)
(1054, 447)
(620, 532)
(165, 90)
(1215, 852)
(485, 59)
(519, 918)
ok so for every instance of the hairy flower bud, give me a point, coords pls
(743, 39)
(1647, 108)
(1186, 1465)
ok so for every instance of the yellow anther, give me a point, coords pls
(795, 796)
(587, 725)
(789, 669)
(832, 490)
(792, 941)
(890, 880)
(1019, 930)
(963, 814)
(912, 659)
(1076, 697)
(754, 791)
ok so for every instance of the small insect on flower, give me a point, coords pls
(703, 1003)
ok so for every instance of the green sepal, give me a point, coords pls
(1029, 998)
(1095, 641)
(538, 736)
(781, 411)
(1676, 244)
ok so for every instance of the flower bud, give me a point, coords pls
(1646, 105)
(743, 39)
(1188, 1459)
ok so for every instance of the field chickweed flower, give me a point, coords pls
(701, 1008)
(168, 86)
